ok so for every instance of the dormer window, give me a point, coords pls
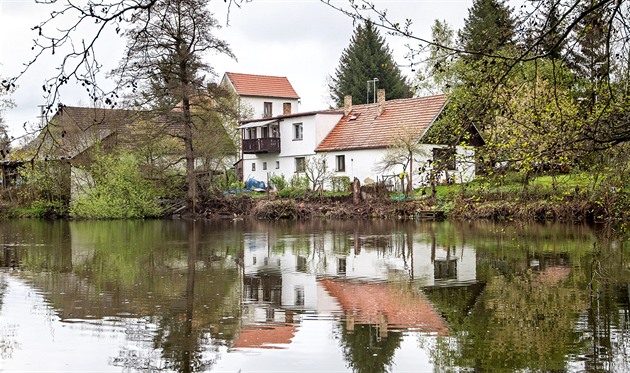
(267, 110)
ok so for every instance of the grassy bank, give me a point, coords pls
(566, 198)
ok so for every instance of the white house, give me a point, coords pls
(281, 145)
(355, 141)
(262, 96)
(360, 142)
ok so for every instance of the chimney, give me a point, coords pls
(347, 105)
(380, 101)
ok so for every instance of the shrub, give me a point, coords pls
(278, 182)
(292, 192)
(115, 190)
(340, 184)
(299, 182)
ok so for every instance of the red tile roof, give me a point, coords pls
(402, 309)
(265, 336)
(262, 85)
(363, 129)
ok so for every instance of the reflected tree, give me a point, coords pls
(366, 350)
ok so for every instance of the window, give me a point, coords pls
(299, 295)
(300, 164)
(253, 166)
(341, 266)
(264, 132)
(340, 163)
(298, 131)
(444, 156)
(264, 165)
(277, 165)
(252, 132)
(267, 111)
(286, 108)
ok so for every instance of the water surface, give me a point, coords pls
(311, 296)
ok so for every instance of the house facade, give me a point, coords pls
(282, 144)
(361, 141)
(262, 96)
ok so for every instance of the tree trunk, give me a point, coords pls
(191, 180)
(356, 191)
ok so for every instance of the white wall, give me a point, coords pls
(257, 105)
(315, 128)
(366, 163)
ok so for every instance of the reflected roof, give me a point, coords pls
(402, 308)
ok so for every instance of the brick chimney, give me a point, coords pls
(380, 101)
(347, 105)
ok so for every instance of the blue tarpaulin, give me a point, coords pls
(254, 184)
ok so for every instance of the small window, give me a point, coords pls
(340, 163)
(252, 132)
(264, 132)
(299, 295)
(298, 131)
(264, 165)
(253, 166)
(268, 109)
(444, 156)
(341, 266)
(277, 165)
(286, 108)
(300, 164)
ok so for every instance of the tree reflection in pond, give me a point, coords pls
(194, 296)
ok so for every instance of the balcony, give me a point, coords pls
(264, 145)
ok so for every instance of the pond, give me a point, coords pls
(320, 296)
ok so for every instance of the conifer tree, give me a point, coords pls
(366, 58)
(588, 55)
(488, 28)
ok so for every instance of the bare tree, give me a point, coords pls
(164, 60)
(400, 155)
(166, 37)
(317, 172)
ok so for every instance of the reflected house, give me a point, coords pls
(385, 305)
(282, 279)
(267, 336)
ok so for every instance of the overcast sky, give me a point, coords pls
(300, 39)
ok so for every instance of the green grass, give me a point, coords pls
(512, 185)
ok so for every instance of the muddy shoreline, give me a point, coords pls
(238, 207)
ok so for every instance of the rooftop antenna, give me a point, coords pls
(373, 81)
(42, 115)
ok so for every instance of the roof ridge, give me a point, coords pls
(263, 75)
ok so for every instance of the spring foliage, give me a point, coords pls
(114, 189)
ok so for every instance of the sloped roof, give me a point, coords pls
(401, 308)
(266, 336)
(87, 118)
(363, 129)
(262, 85)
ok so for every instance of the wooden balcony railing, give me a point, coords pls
(264, 145)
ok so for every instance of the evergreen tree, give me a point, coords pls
(588, 55)
(366, 58)
(488, 28)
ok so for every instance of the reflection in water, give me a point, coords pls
(338, 296)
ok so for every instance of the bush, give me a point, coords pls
(300, 182)
(340, 184)
(292, 192)
(116, 190)
(278, 182)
